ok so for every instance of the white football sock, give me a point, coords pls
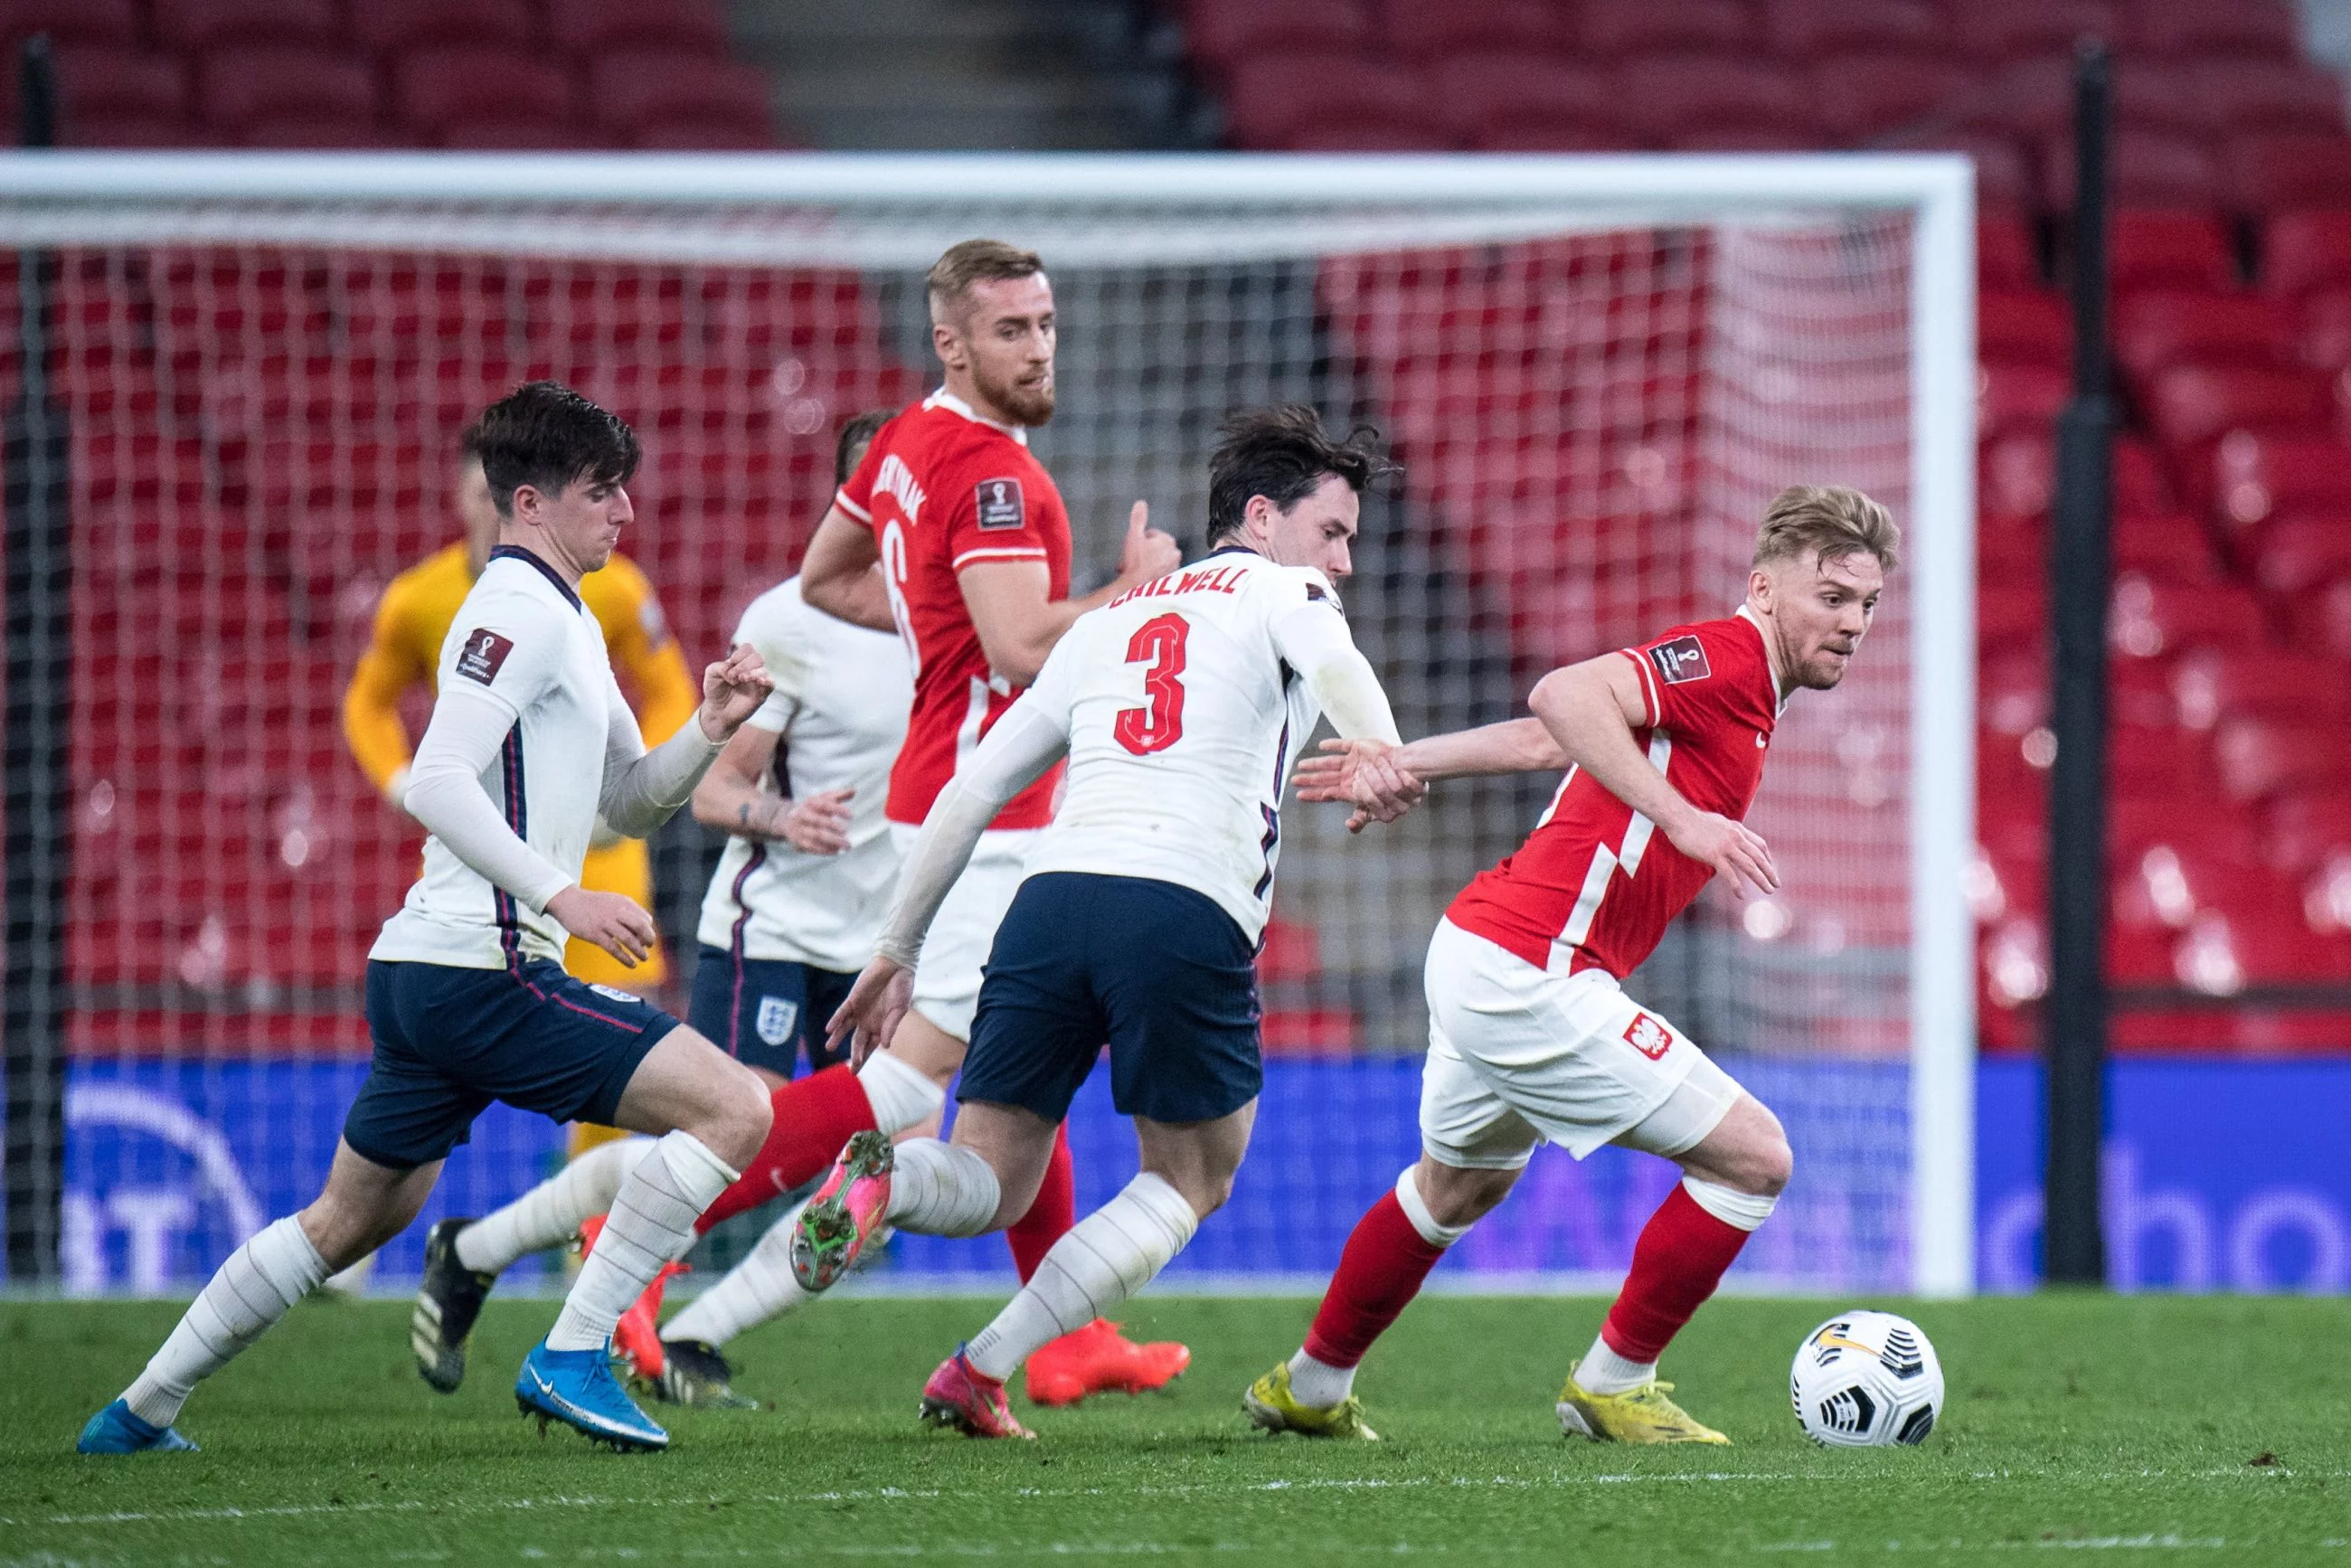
(901, 1096)
(353, 1281)
(550, 1214)
(942, 1189)
(1603, 1371)
(650, 1224)
(1317, 1384)
(1105, 1258)
(259, 1284)
(758, 1287)
(1739, 1210)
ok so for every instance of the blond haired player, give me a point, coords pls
(1532, 1039)
(412, 621)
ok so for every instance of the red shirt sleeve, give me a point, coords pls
(1684, 675)
(993, 514)
(856, 496)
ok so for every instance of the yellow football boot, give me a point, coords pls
(1272, 1406)
(1643, 1416)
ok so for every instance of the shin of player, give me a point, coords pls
(1177, 705)
(530, 741)
(1531, 1037)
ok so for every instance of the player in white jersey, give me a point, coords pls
(467, 1000)
(1179, 706)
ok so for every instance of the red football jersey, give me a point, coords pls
(1595, 885)
(943, 489)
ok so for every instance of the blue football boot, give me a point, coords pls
(577, 1387)
(115, 1430)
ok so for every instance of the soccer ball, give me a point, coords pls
(1864, 1379)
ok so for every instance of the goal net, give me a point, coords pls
(1595, 372)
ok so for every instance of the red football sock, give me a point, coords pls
(814, 1117)
(1379, 1274)
(1677, 1263)
(1050, 1216)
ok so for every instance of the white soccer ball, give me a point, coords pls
(1865, 1380)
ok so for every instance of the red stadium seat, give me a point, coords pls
(2298, 556)
(2326, 328)
(102, 79)
(737, 132)
(1508, 98)
(2168, 250)
(2303, 251)
(2260, 759)
(1859, 97)
(1224, 32)
(236, 88)
(2246, 95)
(502, 133)
(434, 88)
(393, 26)
(2158, 329)
(2305, 832)
(2020, 395)
(2034, 97)
(1681, 94)
(1808, 29)
(631, 92)
(2158, 761)
(2268, 683)
(2169, 549)
(112, 22)
(2255, 478)
(1418, 31)
(2135, 824)
(1629, 27)
(131, 128)
(2029, 325)
(2272, 172)
(2145, 168)
(2004, 177)
(2008, 612)
(2005, 257)
(2261, 28)
(2016, 29)
(2193, 403)
(591, 27)
(194, 25)
(2161, 620)
(1284, 100)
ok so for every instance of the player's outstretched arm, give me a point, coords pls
(1591, 710)
(1314, 641)
(840, 575)
(1347, 769)
(1033, 735)
(1018, 618)
(643, 789)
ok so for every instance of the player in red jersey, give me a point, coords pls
(953, 534)
(1531, 1037)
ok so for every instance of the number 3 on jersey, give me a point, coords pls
(1158, 724)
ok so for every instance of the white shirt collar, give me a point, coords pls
(954, 404)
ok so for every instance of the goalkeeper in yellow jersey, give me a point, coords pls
(411, 621)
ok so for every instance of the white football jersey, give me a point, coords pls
(840, 710)
(1183, 722)
(523, 636)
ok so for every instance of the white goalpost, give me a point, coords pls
(1594, 369)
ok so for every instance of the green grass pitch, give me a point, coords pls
(2147, 1427)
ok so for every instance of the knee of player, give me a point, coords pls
(1775, 1163)
(741, 1118)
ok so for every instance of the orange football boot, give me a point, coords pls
(1098, 1359)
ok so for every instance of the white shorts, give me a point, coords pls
(947, 979)
(1518, 1055)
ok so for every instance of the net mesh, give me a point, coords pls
(263, 402)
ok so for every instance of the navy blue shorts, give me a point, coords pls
(1159, 971)
(768, 1012)
(450, 1040)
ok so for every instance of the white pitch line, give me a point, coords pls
(894, 1494)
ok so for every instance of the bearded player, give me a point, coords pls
(1531, 1037)
(1138, 920)
(953, 534)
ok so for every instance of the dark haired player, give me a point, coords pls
(467, 1000)
(953, 534)
(1177, 705)
(1531, 1037)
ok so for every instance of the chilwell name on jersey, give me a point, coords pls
(1195, 579)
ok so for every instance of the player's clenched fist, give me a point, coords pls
(1735, 851)
(732, 691)
(1148, 552)
(818, 825)
(1364, 774)
(612, 921)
